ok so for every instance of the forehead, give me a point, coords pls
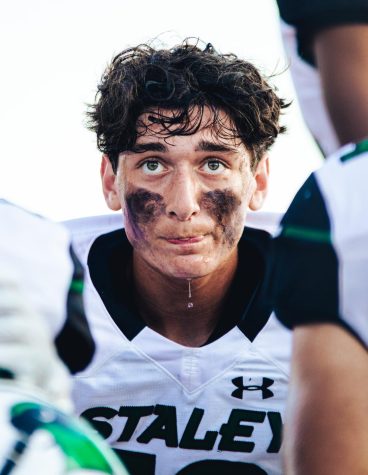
(206, 126)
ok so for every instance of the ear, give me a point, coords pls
(109, 185)
(261, 175)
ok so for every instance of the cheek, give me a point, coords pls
(142, 208)
(227, 209)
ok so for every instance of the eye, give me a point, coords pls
(213, 167)
(152, 167)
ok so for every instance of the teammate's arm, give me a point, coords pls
(327, 431)
(341, 55)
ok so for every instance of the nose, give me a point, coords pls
(182, 202)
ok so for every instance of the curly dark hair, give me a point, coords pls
(184, 79)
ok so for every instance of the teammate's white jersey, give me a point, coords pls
(308, 89)
(322, 249)
(168, 409)
(300, 20)
(35, 249)
(40, 298)
(38, 254)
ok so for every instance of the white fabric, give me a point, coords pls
(37, 250)
(151, 371)
(35, 276)
(26, 348)
(309, 92)
(343, 185)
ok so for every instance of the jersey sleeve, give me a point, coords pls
(309, 17)
(305, 272)
(74, 342)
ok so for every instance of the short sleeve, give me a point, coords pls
(304, 279)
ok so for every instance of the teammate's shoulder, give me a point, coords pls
(330, 187)
(266, 221)
(350, 155)
(21, 224)
(94, 224)
(85, 231)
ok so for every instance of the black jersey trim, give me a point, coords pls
(246, 304)
(304, 278)
(74, 342)
(314, 15)
(307, 212)
(109, 264)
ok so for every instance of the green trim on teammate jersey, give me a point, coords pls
(307, 234)
(77, 286)
(360, 148)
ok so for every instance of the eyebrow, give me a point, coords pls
(207, 146)
(203, 146)
(148, 147)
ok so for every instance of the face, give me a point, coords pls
(185, 198)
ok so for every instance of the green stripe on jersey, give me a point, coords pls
(360, 148)
(77, 286)
(307, 234)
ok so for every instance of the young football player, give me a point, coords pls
(41, 299)
(191, 369)
(321, 254)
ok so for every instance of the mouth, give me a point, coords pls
(184, 240)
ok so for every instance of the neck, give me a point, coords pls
(164, 301)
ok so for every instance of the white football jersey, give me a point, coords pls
(299, 22)
(41, 298)
(322, 248)
(36, 249)
(308, 89)
(169, 409)
(38, 254)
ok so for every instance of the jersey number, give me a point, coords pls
(139, 462)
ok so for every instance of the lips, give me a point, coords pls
(184, 240)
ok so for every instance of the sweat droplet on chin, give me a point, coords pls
(190, 304)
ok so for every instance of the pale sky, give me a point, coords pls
(53, 54)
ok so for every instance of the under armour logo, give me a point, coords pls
(239, 383)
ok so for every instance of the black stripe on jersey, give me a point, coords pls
(305, 272)
(110, 267)
(74, 342)
(310, 16)
(247, 304)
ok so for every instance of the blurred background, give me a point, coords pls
(53, 55)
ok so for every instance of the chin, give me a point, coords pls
(187, 267)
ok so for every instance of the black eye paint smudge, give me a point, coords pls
(222, 204)
(143, 207)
